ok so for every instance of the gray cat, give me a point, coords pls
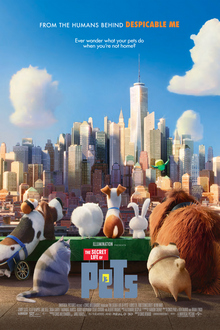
(51, 273)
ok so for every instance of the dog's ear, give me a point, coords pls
(120, 189)
(50, 216)
(106, 190)
(155, 244)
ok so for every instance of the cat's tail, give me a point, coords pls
(23, 297)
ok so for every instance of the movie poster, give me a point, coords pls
(70, 63)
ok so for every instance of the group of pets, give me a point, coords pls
(185, 240)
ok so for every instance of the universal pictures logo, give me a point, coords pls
(91, 275)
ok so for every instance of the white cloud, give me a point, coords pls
(204, 77)
(189, 123)
(34, 97)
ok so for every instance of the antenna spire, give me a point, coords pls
(139, 74)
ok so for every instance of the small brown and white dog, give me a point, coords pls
(113, 226)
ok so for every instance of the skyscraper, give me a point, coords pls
(85, 135)
(35, 172)
(209, 165)
(155, 148)
(195, 169)
(138, 111)
(1, 172)
(65, 169)
(201, 157)
(149, 124)
(21, 153)
(45, 157)
(129, 146)
(100, 146)
(10, 181)
(50, 148)
(74, 167)
(184, 161)
(216, 169)
(122, 138)
(86, 172)
(3, 150)
(173, 169)
(190, 143)
(18, 168)
(36, 155)
(28, 142)
(67, 141)
(75, 137)
(114, 145)
(56, 156)
(162, 128)
(210, 154)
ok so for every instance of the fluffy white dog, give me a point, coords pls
(88, 219)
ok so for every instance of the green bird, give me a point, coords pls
(160, 165)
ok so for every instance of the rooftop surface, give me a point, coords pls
(72, 312)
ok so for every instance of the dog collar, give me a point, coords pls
(154, 263)
(114, 207)
(180, 205)
(22, 245)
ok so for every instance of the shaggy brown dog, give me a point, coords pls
(196, 232)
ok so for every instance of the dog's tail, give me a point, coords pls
(23, 297)
(113, 227)
(115, 232)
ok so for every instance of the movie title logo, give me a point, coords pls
(95, 254)
(91, 277)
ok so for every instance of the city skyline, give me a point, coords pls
(82, 83)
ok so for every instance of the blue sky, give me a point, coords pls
(80, 82)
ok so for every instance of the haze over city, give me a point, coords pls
(48, 81)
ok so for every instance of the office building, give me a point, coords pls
(155, 148)
(85, 136)
(137, 175)
(162, 127)
(138, 111)
(74, 167)
(36, 155)
(10, 181)
(149, 125)
(75, 137)
(18, 168)
(50, 148)
(122, 138)
(35, 172)
(129, 146)
(194, 169)
(216, 169)
(115, 175)
(21, 154)
(101, 146)
(186, 183)
(28, 142)
(3, 150)
(114, 145)
(184, 161)
(45, 158)
(201, 157)
(86, 172)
